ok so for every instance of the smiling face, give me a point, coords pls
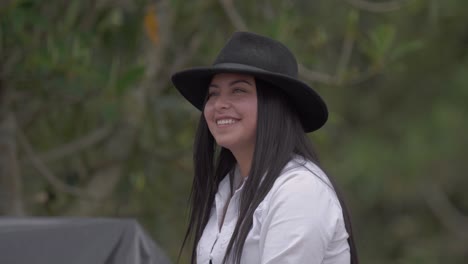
(231, 111)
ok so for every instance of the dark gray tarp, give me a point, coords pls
(76, 241)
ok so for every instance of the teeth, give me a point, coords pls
(225, 121)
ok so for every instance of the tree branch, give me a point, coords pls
(233, 15)
(449, 216)
(121, 144)
(75, 146)
(315, 76)
(364, 75)
(9, 63)
(184, 56)
(304, 72)
(377, 7)
(45, 172)
(345, 57)
(11, 200)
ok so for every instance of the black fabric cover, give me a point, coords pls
(76, 241)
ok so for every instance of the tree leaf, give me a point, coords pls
(129, 78)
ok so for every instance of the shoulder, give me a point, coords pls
(303, 201)
(303, 179)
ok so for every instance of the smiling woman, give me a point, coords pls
(258, 194)
(231, 114)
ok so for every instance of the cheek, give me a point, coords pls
(251, 109)
(208, 114)
(207, 110)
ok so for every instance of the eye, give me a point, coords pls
(211, 93)
(239, 90)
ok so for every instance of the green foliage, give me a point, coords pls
(397, 115)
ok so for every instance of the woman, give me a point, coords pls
(258, 195)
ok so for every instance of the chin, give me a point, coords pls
(224, 144)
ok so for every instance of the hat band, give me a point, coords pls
(240, 67)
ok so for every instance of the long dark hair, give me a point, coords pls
(279, 137)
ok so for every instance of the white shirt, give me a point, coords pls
(299, 221)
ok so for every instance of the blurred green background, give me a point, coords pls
(90, 124)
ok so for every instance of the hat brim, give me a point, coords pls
(193, 84)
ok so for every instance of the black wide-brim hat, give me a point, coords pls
(265, 59)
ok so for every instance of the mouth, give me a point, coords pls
(226, 121)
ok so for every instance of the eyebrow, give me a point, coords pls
(233, 82)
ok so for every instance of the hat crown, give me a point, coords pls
(258, 51)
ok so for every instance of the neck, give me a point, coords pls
(244, 160)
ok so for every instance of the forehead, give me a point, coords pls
(229, 77)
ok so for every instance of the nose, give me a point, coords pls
(221, 102)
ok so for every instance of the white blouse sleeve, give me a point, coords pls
(299, 221)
